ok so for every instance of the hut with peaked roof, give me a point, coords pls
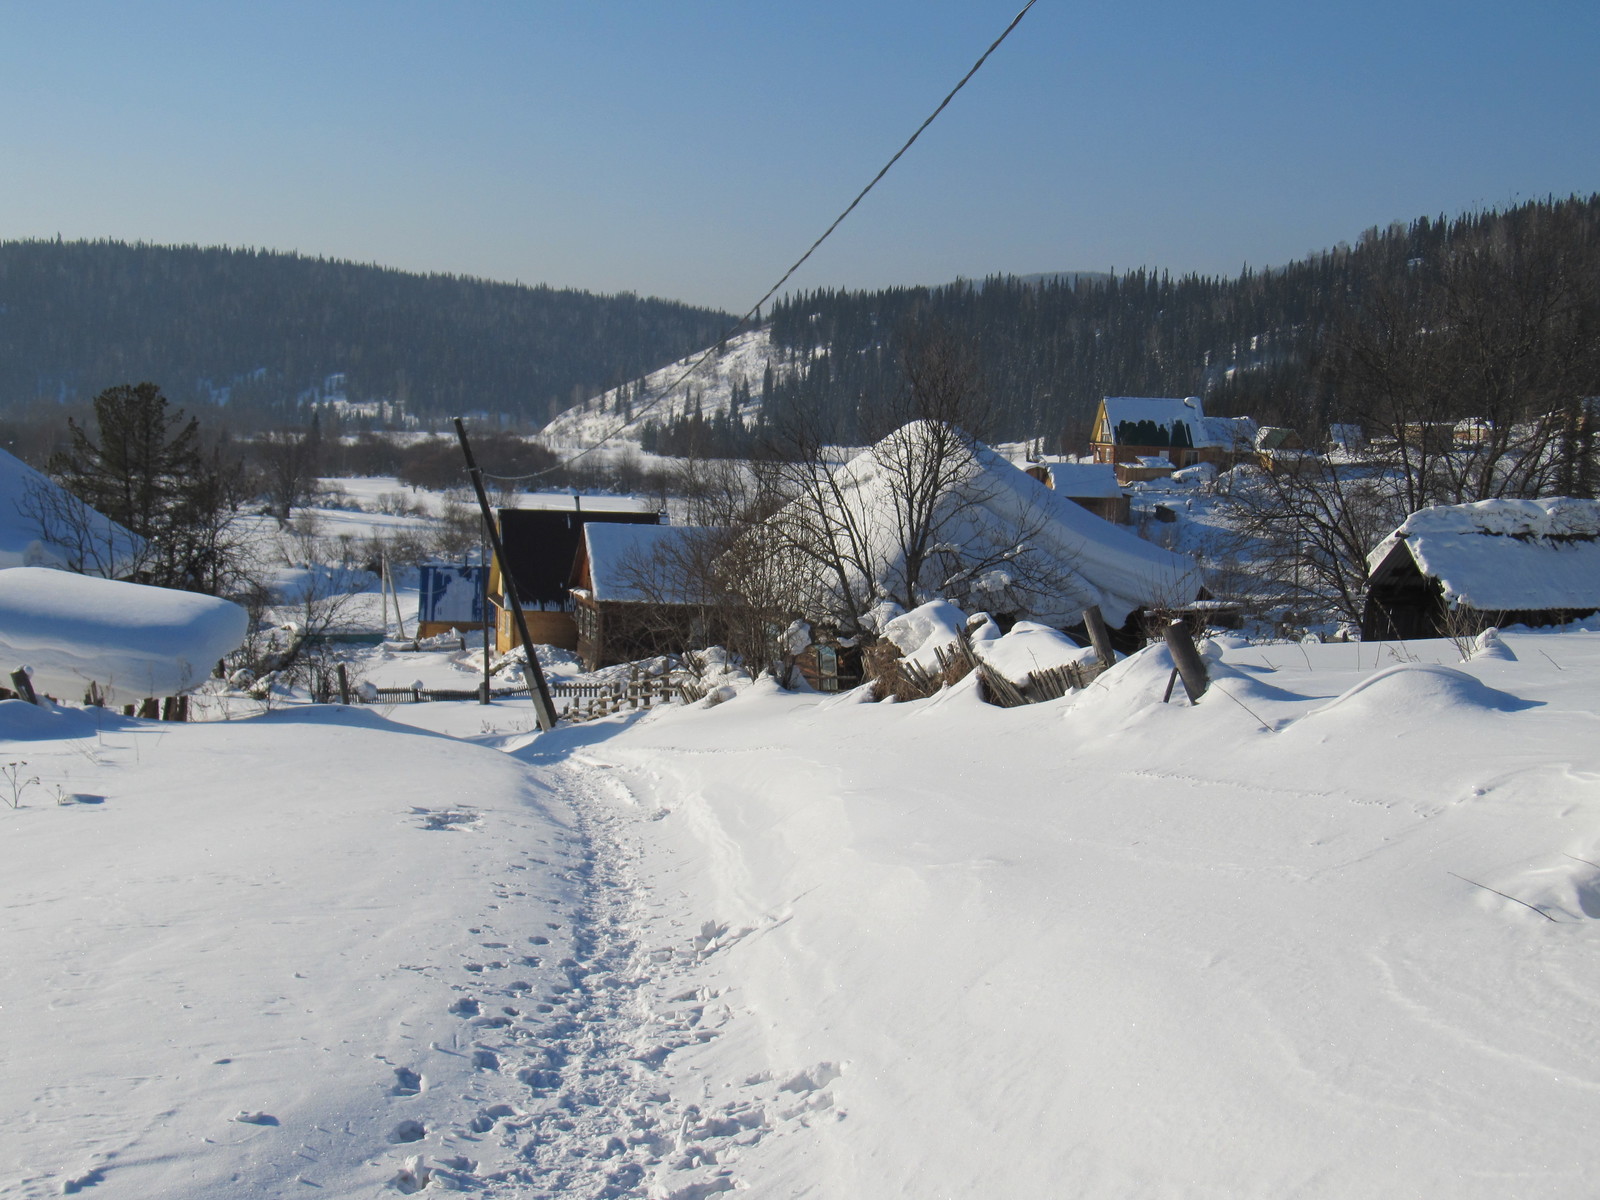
(636, 592)
(1461, 568)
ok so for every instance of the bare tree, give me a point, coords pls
(1307, 532)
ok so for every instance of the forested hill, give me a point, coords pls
(265, 331)
(1046, 350)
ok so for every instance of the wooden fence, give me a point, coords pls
(574, 701)
(961, 659)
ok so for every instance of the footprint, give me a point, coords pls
(406, 1082)
(408, 1131)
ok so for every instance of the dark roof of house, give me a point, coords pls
(541, 545)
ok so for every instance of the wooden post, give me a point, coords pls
(344, 685)
(1191, 667)
(183, 708)
(1099, 637)
(150, 708)
(23, 686)
(543, 707)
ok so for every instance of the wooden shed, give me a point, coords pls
(1459, 569)
(635, 593)
(1093, 486)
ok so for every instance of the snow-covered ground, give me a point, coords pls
(1323, 934)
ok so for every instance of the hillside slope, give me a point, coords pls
(265, 332)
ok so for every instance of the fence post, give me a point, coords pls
(1099, 637)
(1191, 667)
(23, 686)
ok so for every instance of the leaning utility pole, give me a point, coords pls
(543, 707)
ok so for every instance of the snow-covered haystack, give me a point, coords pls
(133, 641)
(81, 538)
(930, 627)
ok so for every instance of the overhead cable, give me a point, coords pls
(798, 263)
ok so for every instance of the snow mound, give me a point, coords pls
(1409, 692)
(932, 626)
(131, 640)
(1031, 647)
(1490, 645)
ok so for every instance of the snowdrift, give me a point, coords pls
(131, 640)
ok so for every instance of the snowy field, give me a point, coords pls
(1322, 935)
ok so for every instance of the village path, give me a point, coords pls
(580, 1085)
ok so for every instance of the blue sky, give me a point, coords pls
(693, 150)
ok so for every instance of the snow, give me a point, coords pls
(1085, 481)
(1028, 647)
(1065, 557)
(21, 541)
(1507, 555)
(639, 563)
(929, 627)
(133, 641)
(1324, 934)
(1167, 414)
(670, 395)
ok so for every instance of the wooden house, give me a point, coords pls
(1279, 448)
(1462, 568)
(1127, 429)
(1093, 486)
(636, 592)
(541, 535)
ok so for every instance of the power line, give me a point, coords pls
(798, 263)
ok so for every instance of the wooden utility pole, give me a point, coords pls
(544, 708)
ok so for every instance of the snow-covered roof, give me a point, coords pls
(1176, 420)
(641, 564)
(1085, 481)
(132, 640)
(570, 502)
(108, 548)
(1086, 559)
(1506, 555)
(1228, 433)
